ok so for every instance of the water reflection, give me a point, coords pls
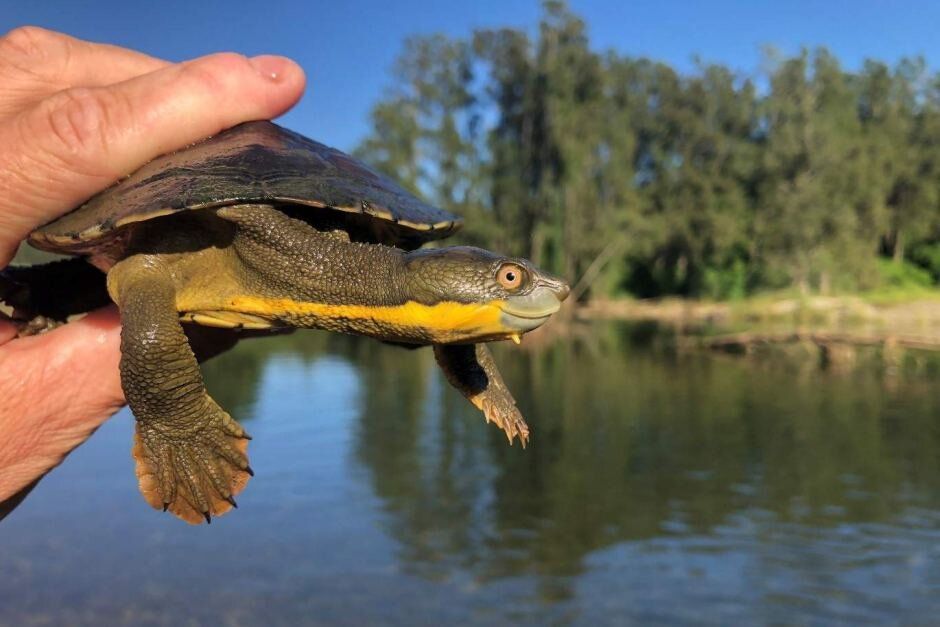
(651, 445)
(659, 485)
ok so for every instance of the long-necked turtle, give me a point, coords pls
(260, 228)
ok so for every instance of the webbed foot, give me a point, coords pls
(195, 474)
(470, 368)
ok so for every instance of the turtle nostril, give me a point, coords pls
(562, 291)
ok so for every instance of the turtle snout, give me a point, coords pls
(559, 288)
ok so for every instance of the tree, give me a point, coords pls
(662, 183)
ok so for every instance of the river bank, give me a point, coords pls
(837, 329)
(918, 314)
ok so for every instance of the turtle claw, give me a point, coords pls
(470, 369)
(502, 411)
(196, 475)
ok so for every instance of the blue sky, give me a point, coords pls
(347, 47)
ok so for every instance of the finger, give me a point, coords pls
(77, 142)
(57, 389)
(35, 63)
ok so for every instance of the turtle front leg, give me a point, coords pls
(190, 454)
(470, 368)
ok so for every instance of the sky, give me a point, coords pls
(348, 47)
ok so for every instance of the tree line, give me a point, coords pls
(645, 181)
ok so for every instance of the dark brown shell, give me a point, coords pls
(252, 162)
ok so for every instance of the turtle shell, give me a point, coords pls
(251, 162)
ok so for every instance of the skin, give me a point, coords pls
(252, 266)
(75, 116)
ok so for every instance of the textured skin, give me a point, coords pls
(272, 247)
(250, 163)
(190, 453)
(470, 368)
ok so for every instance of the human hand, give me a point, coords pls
(74, 117)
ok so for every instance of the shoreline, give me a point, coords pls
(919, 311)
(821, 320)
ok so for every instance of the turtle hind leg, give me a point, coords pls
(470, 368)
(41, 297)
(190, 454)
(196, 477)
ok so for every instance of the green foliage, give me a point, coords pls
(705, 185)
(927, 256)
(903, 275)
(727, 283)
(894, 282)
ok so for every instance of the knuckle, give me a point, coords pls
(78, 119)
(34, 54)
(30, 41)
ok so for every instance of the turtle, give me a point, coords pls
(259, 229)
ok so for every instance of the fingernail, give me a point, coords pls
(270, 66)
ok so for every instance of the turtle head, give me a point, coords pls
(481, 294)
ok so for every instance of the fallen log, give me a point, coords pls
(820, 338)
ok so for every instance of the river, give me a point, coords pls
(659, 487)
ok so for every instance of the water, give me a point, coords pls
(659, 488)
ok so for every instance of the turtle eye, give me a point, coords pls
(511, 276)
